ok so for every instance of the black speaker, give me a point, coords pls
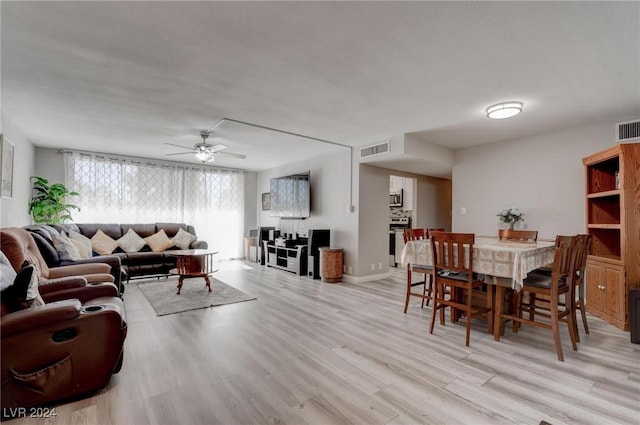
(317, 239)
(263, 235)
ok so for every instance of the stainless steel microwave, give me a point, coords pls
(395, 199)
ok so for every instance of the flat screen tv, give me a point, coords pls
(291, 196)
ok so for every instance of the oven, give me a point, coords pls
(396, 226)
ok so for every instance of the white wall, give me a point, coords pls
(250, 210)
(373, 223)
(542, 175)
(329, 180)
(49, 164)
(15, 210)
(433, 209)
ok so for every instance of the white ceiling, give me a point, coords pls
(123, 77)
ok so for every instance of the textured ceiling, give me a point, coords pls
(126, 77)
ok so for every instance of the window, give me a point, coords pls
(121, 190)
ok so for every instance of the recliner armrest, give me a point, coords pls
(84, 294)
(60, 284)
(31, 318)
(112, 260)
(79, 270)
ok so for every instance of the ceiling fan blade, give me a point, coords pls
(179, 153)
(235, 155)
(180, 146)
(218, 147)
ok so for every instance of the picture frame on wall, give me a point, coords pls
(6, 159)
(266, 201)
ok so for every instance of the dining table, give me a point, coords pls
(502, 263)
(508, 260)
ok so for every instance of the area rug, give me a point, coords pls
(193, 296)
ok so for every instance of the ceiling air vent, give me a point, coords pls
(628, 131)
(374, 149)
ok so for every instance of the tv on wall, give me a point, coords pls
(291, 196)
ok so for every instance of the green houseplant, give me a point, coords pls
(49, 203)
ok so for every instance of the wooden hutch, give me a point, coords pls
(613, 220)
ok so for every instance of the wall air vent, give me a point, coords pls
(378, 149)
(628, 131)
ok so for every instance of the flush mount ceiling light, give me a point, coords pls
(504, 110)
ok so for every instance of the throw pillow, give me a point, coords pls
(102, 243)
(7, 274)
(83, 244)
(159, 241)
(183, 239)
(131, 242)
(67, 250)
(23, 293)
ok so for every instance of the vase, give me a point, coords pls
(511, 225)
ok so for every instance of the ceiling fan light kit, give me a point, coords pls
(204, 156)
(204, 151)
(504, 110)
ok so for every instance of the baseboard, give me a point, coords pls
(346, 278)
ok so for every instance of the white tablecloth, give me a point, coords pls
(492, 257)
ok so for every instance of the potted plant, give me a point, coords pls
(511, 216)
(49, 203)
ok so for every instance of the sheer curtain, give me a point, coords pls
(122, 190)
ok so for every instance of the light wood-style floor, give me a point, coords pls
(307, 352)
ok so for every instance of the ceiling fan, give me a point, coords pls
(204, 151)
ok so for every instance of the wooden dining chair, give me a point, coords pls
(581, 266)
(514, 300)
(559, 284)
(582, 244)
(452, 259)
(412, 235)
(518, 235)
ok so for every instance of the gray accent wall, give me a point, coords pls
(542, 175)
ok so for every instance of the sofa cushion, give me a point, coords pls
(159, 241)
(112, 230)
(83, 244)
(66, 249)
(171, 229)
(102, 243)
(143, 230)
(183, 239)
(131, 242)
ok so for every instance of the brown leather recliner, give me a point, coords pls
(60, 350)
(56, 283)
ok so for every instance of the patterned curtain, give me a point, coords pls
(121, 190)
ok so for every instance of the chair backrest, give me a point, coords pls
(413, 234)
(582, 244)
(563, 260)
(19, 246)
(433, 230)
(518, 235)
(448, 251)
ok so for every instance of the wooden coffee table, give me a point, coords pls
(191, 263)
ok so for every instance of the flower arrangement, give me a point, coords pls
(511, 216)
